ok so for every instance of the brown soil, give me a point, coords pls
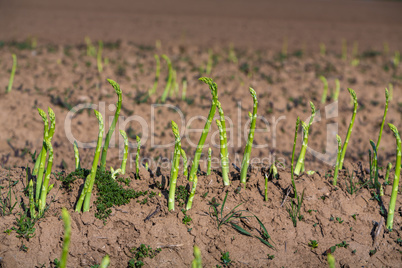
(59, 74)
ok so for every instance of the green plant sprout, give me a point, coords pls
(306, 128)
(397, 59)
(337, 90)
(175, 167)
(91, 50)
(386, 179)
(76, 156)
(214, 91)
(325, 90)
(197, 262)
(112, 127)
(345, 145)
(391, 90)
(322, 49)
(169, 80)
(13, 69)
(137, 158)
(67, 234)
(208, 69)
(31, 200)
(294, 209)
(192, 194)
(383, 118)
(185, 164)
(313, 244)
(105, 262)
(266, 187)
(331, 260)
(392, 202)
(157, 74)
(209, 161)
(344, 50)
(122, 169)
(85, 196)
(99, 56)
(224, 146)
(184, 89)
(45, 185)
(247, 151)
(338, 158)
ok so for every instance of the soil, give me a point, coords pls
(58, 73)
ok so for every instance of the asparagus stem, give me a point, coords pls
(67, 233)
(266, 188)
(337, 160)
(300, 161)
(337, 89)
(197, 262)
(345, 145)
(157, 74)
(175, 167)
(389, 167)
(383, 118)
(31, 200)
(214, 91)
(209, 161)
(90, 180)
(224, 146)
(109, 134)
(13, 69)
(169, 81)
(47, 178)
(325, 91)
(77, 157)
(43, 154)
(375, 165)
(124, 161)
(392, 202)
(185, 165)
(192, 194)
(293, 158)
(249, 145)
(105, 262)
(137, 157)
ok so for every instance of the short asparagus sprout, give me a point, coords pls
(325, 90)
(375, 165)
(209, 161)
(344, 50)
(85, 196)
(31, 200)
(210, 62)
(337, 160)
(185, 167)
(293, 157)
(112, 127)
(184, 89)
(67, 234)
(45, 184)
(337, 89)
(397, 59)
(13, 69)
(322, 49)
(224, 145)
(137, 157)
(389, 167)
(122, 169)
(175, 168)
(247, 151)
(77, 156)
(197, 262)
(383, 118)
(157, 74)
(306, 128)
(99, 56)
(192, 194)
(42, 156)
(105, 262)
(391, 90)
(392, 202)
(345, 145)
(170, 76)
(214, 91)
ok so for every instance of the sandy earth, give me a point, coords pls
(59, 74)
